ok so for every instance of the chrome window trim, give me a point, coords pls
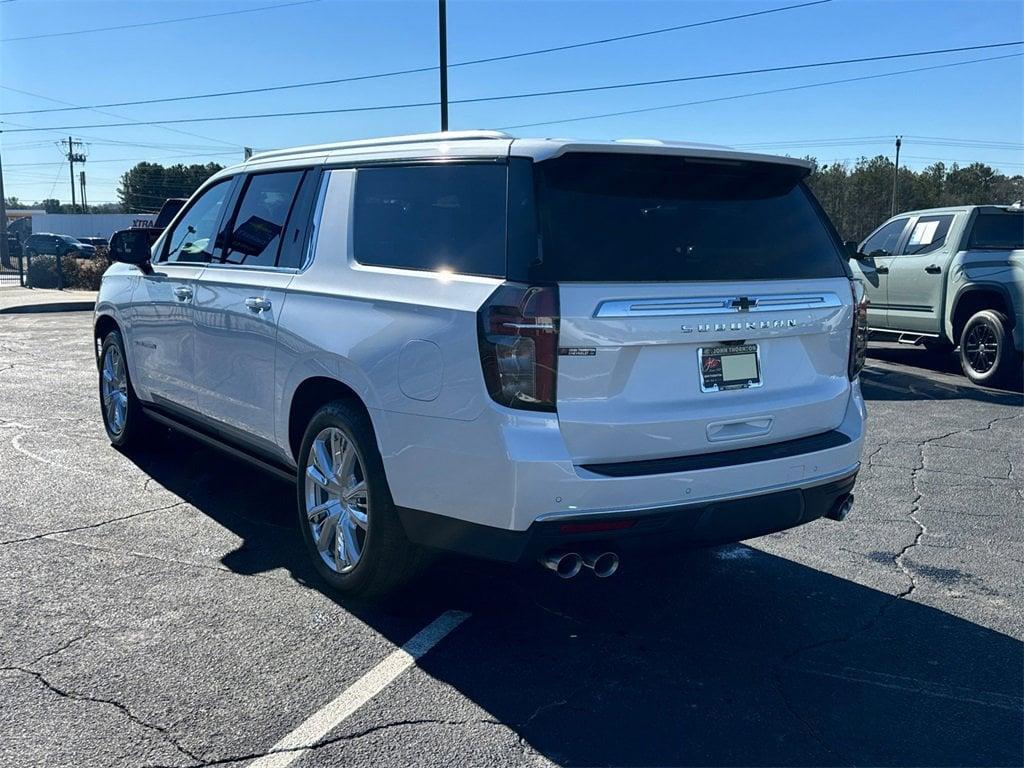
(248, 267)
(716, 305)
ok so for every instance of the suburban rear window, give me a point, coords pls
(998, 231)
(636, 218)
(444, 216)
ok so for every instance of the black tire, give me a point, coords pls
(135, 423)
(387, 557)
(987, 356)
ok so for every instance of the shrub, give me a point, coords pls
(80, 274)
(42, 272)
(91, 272)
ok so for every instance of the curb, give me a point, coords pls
(60, 306)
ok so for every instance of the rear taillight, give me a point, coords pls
(859, 333)
(519, 346)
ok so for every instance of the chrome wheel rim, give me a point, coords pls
(981, 347)
(114, 390)
(337, 500)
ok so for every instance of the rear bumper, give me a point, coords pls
(510, 470)
(683, 525)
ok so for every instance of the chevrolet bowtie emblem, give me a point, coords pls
(743, 304)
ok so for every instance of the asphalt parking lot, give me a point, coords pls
(157, 610)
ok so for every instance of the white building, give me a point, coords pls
(76, 224)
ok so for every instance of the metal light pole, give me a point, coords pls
(896, 176)
(5, 257)
(442, 32)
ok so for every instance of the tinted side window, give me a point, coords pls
(192, 238)
(256, 230)
(432, 217)
(929, 234)
(884, 241)
(292, 242)
(998, 231)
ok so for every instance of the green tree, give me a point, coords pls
(145, 187)
(859, 199)
(50, 205)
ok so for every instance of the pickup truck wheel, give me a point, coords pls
(123, 418)
(346, 513)
(986, 348)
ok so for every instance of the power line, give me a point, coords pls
(737, 73)
(128, 159)
(855, 140)
(417, 70)
(757, 93)
(113, 114)
(508, 97)
(478, 99)
(156, 23)
(961, 161)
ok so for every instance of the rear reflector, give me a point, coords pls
(597, 526)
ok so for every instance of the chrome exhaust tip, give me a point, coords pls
(564, 564)
(841, 509)
(603, 564)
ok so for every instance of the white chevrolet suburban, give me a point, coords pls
(520, 349)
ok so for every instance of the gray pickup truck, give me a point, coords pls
(950, 277)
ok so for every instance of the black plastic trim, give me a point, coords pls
(783, 450)
(219, 439)
(982, 286)
(676, 527)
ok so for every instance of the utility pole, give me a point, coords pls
(73, 157)
(81, 185)
(442, 31)
(5, 257)
(896, 176)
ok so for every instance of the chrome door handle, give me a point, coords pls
(184, 293)
(258, 304)
(933, 269)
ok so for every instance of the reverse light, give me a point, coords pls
(518, 334)
(859, 332)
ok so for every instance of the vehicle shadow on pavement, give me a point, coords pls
(922, 384)
(723, 657)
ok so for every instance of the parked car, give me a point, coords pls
(100, 244)
(948, 277)
(46, 244)
(518, 349)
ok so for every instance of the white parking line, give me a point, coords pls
(320, 723)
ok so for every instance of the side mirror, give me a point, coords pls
(132, 246)
(852, 250)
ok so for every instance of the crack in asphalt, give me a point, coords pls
(898, 561)
(328, 741)
(100, 524)
(62, 647)
(164, 734)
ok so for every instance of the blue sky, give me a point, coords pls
(961, 110)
